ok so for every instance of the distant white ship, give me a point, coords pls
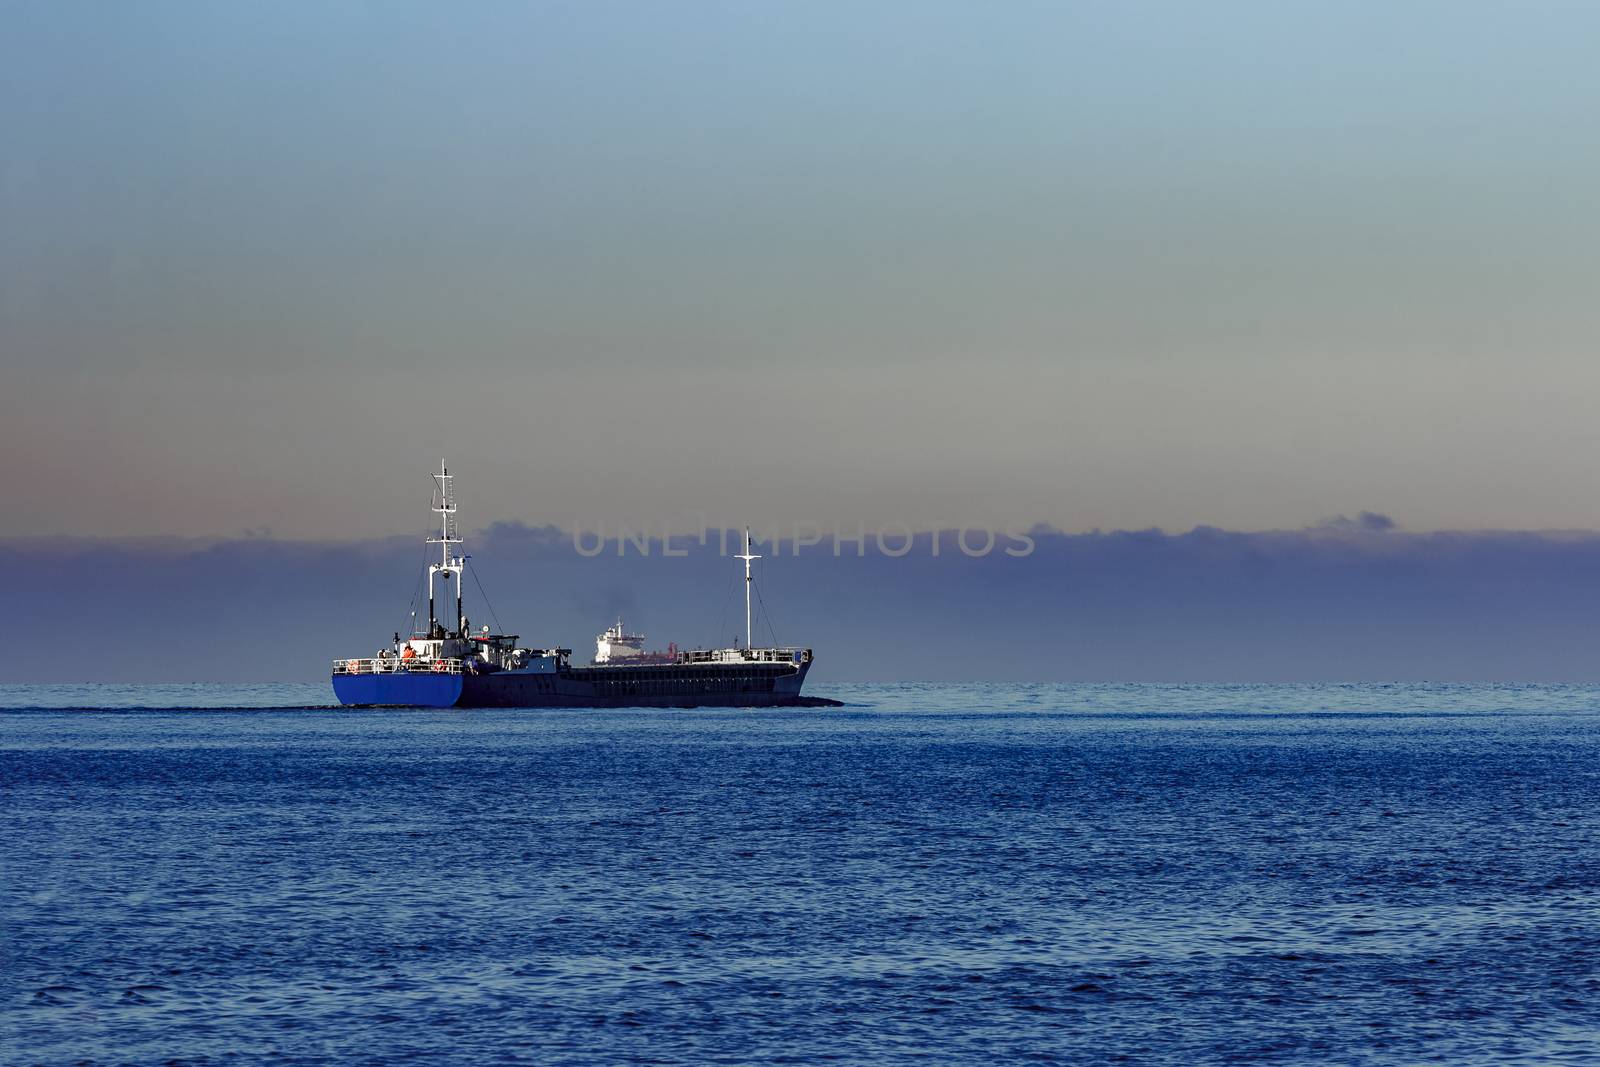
(617, 646)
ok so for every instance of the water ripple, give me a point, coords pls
(1150, 874)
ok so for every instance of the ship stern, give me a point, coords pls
(400, 689)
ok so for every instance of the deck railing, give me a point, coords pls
(395, 665)
(744, 655)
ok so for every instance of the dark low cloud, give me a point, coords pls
(1365, 522)
(1373, 603)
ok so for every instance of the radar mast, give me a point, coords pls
(445, 506)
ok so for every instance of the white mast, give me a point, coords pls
(747, 557)
(448, 565)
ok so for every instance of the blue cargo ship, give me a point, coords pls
(452, 666)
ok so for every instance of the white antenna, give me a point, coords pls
(747, 557)
(448, 535)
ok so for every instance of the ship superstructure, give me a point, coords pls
(452, 666)
(618, 646)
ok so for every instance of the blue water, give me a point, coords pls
(932, 874)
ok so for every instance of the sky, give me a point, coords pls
(1098, 265)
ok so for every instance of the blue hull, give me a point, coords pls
(416, 690)
(741, 686)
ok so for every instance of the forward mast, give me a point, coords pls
(747, 557)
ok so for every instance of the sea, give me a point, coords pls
(930, 874)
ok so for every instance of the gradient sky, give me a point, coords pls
(1109, 265)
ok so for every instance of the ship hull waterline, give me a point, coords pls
(581, 687)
